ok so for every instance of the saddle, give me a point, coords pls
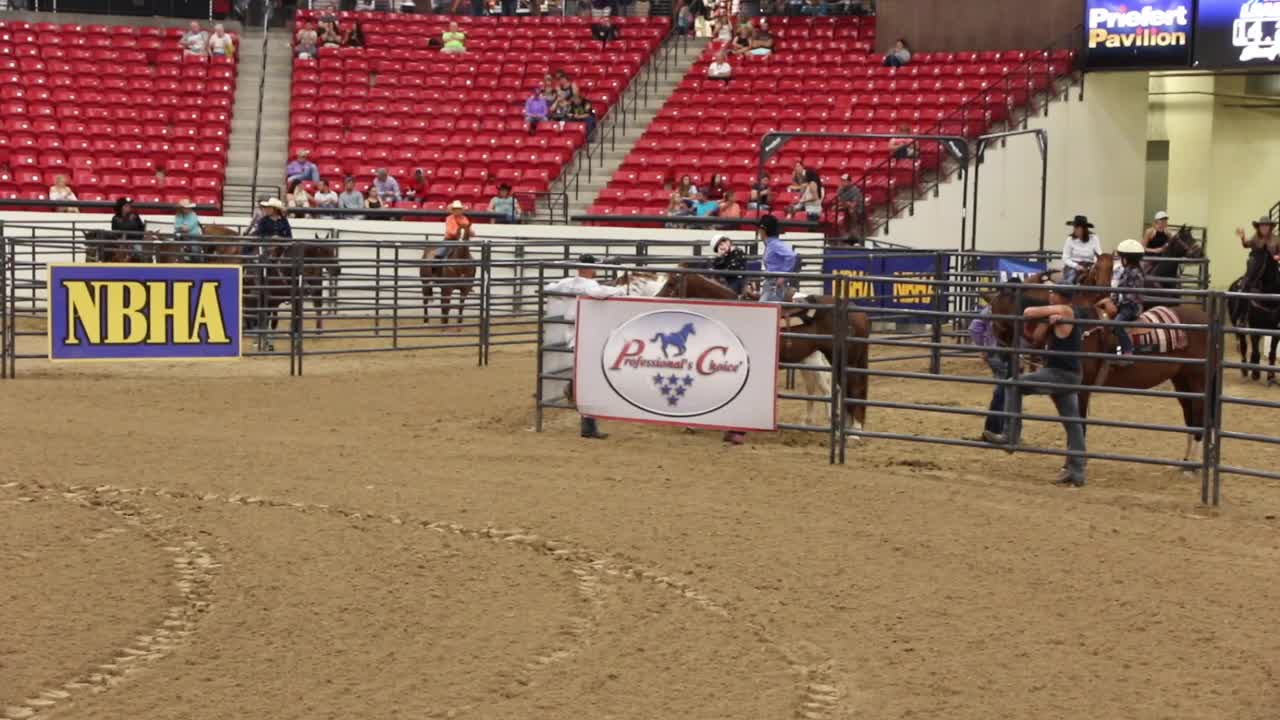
(1156, 341)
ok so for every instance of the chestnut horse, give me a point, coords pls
(1139, 375)
(451, 272)
(818, 321)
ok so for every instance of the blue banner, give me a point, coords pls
(1136, 34)
(904, 293)
(1007, 268)
(144, 312)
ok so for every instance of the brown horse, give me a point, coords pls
(1094, 281)
(105, 246)
(1139, 375)
(452, 272)
(817, 321)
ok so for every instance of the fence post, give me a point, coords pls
(485, 305)
(1212, 372)
(295, 310)
(4, 304)
(1213, 447)
(395, 299)
(939, 304)
(542, 341)
(839, 370)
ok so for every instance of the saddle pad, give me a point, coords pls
(1159, 340)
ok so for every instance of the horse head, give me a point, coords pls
(1185, 244)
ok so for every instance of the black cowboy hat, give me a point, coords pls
(1080, 221)
(1264, 220)
(587, 260)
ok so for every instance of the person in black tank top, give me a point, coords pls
(1056, 327)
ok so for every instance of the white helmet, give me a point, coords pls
(1131, 247)
(717, 239)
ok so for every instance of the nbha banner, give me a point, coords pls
(144, 312)
(689, 363)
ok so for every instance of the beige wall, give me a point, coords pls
(1221, 160)
(1097, 151)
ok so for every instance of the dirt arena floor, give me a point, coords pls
(386, 537)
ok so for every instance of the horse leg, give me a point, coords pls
(1190, 381)
(1271, 361)
(817, 382)
(427, 293)
(446, 304)
(1243, 341)
(855, 387)
(1255, 355)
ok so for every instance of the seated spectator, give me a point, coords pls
(849, 204)
(580, 110)
(307, 42)
(705, 207)
(799, 176)
(454, 39)
(350, 198)
(329, 35)
(680, 205)
(760, 197)
(387, 187)
(185, 222)
(900, 54)
(298, 196)
(195, 41)
(416, 189)
(325, 197)
(60, 191)
(741, 43)
(685, 189)
(548, 89)
(353, 38)
(761, 41)
(504, 202)
(810, 197)
(715, 190)
(605, 30)
(302, 169)
(372, 201)
(902, 148)
(684, 19)
(566, 91)
(220, 43)
(535, 110)
(729, 206)
(720, 69)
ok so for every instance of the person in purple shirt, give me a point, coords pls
(982, 335)
(302, 169)
(535, 110)
(778, 257)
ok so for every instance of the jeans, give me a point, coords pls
(1068, 404)
(1127, 312)
(1000, 370)
(771, 291)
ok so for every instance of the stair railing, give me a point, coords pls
(262, 96)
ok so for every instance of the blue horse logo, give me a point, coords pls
(678, 340)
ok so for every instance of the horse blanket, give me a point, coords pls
(1159, 340)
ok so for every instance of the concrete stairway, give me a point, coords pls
(237, 196)
(685, 54)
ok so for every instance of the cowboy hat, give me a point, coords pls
(1080, 221)
(717, 239)
(186, 204)
(457, 205)
(273, 203)
(1264, 220)
(1131, 247)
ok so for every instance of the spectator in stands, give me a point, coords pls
(900, 55)
(761, 194)
(127, 224)
(298, 196)
(902, 148)
(729, 206)
(535, 110)
(302, 169)
(798, 177)
(566, 91)
(604, 30)
(307, 42)
(581, 110)
(762, 41)
(506, 204)
(353, 38)
(195, 41)
(726, 257)
(220, 43)
(329, 35)
(686, 190)
(720, 69)
(387, 187)
(325, 197)
(810, 197)
(715, 189)
(372, 201)
(850, 204)
(455, 41)
(60, 191)
(350, 198)
(416, 189)
(548, 89)
(741, 43)
(684, 19)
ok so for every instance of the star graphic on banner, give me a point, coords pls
(673, 387)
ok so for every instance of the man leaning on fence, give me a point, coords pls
(1061, 368)
(779, 257)
(563, 304)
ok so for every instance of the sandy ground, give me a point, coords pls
(386, 537)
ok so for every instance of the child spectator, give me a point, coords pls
(900, 55)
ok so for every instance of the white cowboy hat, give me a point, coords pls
(717, 239)
(1130, 247)
(186, 204)
(273, 203)
(457, 205)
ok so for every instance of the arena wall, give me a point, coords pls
(955, 25)
(1097, 164)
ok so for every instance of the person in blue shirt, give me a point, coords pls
(187, 225)
(778, 257)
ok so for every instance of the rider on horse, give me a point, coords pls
(128, 225)
(1080, 251)
(724, 256)
(1127, 300)
(187, 226)
(1263, 243)
(457, 227)
(272, 224)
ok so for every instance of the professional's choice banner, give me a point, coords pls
(1137, 33)
(144, 312)
(689, 363)
(1237, 33)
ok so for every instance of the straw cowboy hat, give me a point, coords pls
(1080, 221)
(1264, 220)
(1131, 247)
(273, 203)
(457, 205)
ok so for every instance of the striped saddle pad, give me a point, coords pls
(1159, 340)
